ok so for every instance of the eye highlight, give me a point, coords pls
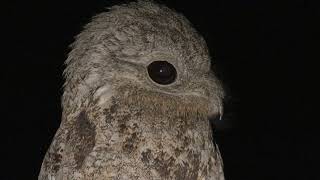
(162, 72)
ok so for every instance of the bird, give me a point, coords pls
(138, 95)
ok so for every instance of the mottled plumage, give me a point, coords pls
(117, 122)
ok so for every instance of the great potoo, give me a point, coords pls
(137, 100)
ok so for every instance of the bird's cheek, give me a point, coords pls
(103, 95)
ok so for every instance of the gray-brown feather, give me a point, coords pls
(117, 123)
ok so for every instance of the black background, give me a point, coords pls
(263, 54)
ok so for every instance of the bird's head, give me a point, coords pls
(145, 54)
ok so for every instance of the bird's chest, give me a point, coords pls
(135, 147)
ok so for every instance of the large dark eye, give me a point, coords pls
(162, 72)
